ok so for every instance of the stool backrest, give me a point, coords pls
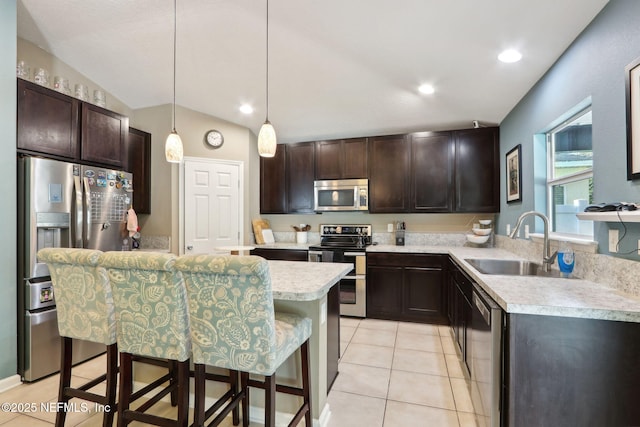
(151, 304)
(231, 311)
(82, 293)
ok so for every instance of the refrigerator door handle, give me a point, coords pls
(77, 237)
(87, 201)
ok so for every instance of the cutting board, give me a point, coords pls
(258, 226)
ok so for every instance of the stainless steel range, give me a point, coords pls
(346, 243)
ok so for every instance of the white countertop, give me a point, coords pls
(305, 281)
(534, 294)
(515, 294)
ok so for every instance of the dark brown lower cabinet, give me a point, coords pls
(460, 310)
(407, 287)
(566, 371)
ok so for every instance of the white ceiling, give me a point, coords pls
(338, 68)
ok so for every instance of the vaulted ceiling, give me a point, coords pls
(337, 68)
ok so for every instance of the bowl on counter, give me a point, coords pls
(481, 231)
(473, 238)
(485, 221)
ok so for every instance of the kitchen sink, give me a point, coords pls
(510, 267)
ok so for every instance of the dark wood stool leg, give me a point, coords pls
(244, 386)
(126, 387)
(199, 380)
(306, 382)
(65, 377)
(173, 370)
(233, 385)
(112, 381)
(270, 401)
(183, 393)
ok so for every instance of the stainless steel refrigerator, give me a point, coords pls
(61, 205)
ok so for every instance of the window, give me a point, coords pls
(570, 174)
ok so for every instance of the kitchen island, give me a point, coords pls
(302, 288)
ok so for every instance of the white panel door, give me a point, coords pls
(211, 205)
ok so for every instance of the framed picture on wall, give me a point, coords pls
(514, 174)
(632, 85)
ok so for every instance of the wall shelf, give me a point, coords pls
(625, 216)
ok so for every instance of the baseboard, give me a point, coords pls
(9, 383)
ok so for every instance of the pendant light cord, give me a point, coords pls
(267, 62)
(175, 25)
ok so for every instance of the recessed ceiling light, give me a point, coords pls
(509, 56)
(426, 89)
(246, 109)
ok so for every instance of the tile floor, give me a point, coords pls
(396, 374)
(392, 374)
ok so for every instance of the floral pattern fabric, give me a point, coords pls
(151, 304)
(82, 293)
(233, 321)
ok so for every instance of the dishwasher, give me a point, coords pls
(486, 359)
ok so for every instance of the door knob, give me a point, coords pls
(190, 248)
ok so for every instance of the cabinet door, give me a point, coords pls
(139, 164)
(477, 170)
(48, 121)
(300, 177)
(273, 184)
(432, 172)
(388, 178)
(329, 158)
(424, 295)
(103, 136)
(384, 292)
(355, 164)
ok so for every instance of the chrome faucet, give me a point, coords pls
(547, 257)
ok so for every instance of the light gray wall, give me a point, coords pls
(8, 262)
(591, 68)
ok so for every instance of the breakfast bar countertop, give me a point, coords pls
(305, 281)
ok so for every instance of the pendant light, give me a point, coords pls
(267, 142)
(173, 151)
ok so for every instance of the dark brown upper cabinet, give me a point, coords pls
(477, 170)
(432, 156)
(103, 136)
(389, 160)
(342, 159)
(273, 182)
(48, 121)
(139, 164)
(300, 177)
(60, 126)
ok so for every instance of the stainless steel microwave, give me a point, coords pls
(341, 195)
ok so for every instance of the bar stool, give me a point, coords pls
(85, 311)
(152, 321)
(234, 326)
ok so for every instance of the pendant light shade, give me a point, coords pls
(173, 148)
(173, 151)
(267, 143)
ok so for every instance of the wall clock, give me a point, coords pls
(214, 138)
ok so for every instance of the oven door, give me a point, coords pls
(353, 287)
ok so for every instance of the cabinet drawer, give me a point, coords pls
(406, 260)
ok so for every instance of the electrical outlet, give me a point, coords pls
(613, 241)
(526, 231)
(508, 229)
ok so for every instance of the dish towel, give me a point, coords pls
(132, 222)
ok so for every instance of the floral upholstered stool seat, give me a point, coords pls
(234, 326)
(85, 311)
